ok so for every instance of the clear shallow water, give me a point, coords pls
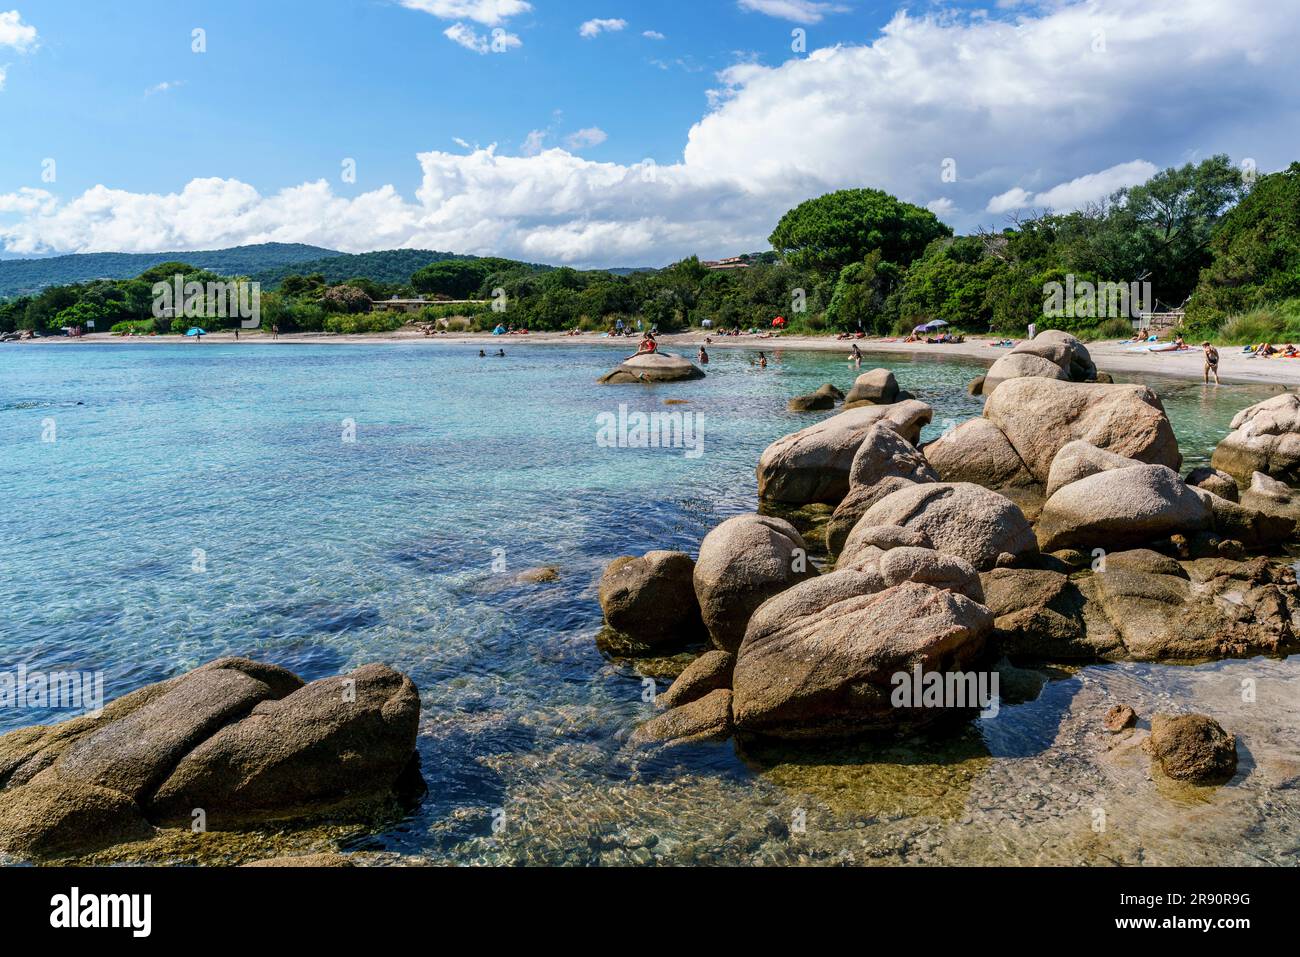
(321, 554)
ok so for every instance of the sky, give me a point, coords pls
(607, 133)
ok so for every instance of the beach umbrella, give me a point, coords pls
(925, 328)
(938, 324)
(197, 332)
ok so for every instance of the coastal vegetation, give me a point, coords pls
(1207, 240)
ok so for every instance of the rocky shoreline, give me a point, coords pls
(1055, 528)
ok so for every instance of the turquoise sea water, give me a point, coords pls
(203, 500)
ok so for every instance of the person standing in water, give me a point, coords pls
(857, 356)
(762, 361)
(1211, 362)
(703, 357)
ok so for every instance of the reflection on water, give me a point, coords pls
(322, 554)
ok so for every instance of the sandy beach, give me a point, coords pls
(1118, 357)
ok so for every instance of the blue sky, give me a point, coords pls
(538, 150)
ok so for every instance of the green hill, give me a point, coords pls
(20, 277)
(394, 266)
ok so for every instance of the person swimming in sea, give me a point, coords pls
(762, 361)
(482, 354)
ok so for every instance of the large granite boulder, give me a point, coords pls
(1062, 349)
(651, 599)
(885, 463)
(855, 505)
(744, 562)
(245, 742)
(1119, 508)
(653, 367)
(1077, 460)
(1040, 416)
(973, 523)
(812, 465)
(877, 387)
(885, 454)
(1016, 365)
(327, 745)
(1265, 438)
(977, 451)
(808, 669)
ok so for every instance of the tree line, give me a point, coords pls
(1204, 237)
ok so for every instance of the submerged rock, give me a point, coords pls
(743, 562)
(653, 367)
(246, 742)
(811, 403)
(651, 599)
(813, 464)
(1119, 718)
(705, 719)
(1193, 747)
(706, 674)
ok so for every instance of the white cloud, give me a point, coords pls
(3, 73)
(1078, 192)
(594, 28)
(500, 40)
(1019, 105)
(163, 87)
(799, 11)
(490, 13)
(591, 136)
(1014, 198)
(14, 33)
(941, 207)
(653, 35)
(534, 142)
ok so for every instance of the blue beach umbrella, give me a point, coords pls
(197, 332)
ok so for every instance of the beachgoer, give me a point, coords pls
(703, 357)
(857, 356)
(275, 331)
(762, 361)
(1211, 362)
(1033, 330)
(501, 353)
(482, 354)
